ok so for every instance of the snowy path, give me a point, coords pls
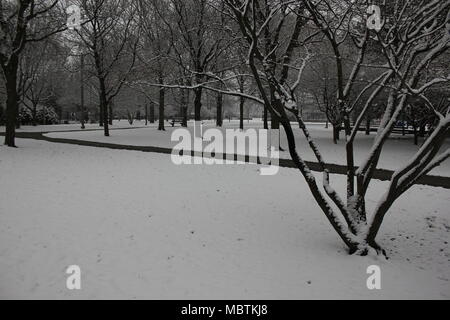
(397, 150)
(379, 174)
(140, 227)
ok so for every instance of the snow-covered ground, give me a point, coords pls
(140, 227)
(396, 151)
(76, 126)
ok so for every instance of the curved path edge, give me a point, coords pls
(380, 174)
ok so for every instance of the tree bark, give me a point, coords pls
(416, 135)
(10, 65)
(241, 104)
(336, 133)
(82, 92)
(185, 117)
(146, 115)
(162, 93)
(34, 115)
(241, 111)
(100, 121)
(422, 131)
(219, 121)
(274, 123)
(104, 107)
(11, 102)
(152, 112)
(321, 201)
(184, 107)
(198, 103)
(266, 118)
(368, 123)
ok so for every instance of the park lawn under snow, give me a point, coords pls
(141, 227)
(396, 152)
(75, 127)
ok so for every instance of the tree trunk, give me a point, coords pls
(241, 112)
(162, 93)
(219, 121)
(185, 117)
(104, 107)
(266, 118)
(152, 112)
(82, 92)
(241, 104)
(416, 135)
(146, 115)
(275, 122)
(422, 130)
(184, 107)
(321, 201)
(11, 103)
(34, 115)
(198, 103)
(336, 133)
(44, 116)
(100, 121)
(368, 123)
(105, 119)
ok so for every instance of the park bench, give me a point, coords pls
(176, 120)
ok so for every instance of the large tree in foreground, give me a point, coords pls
(415, 37)
(21, 23)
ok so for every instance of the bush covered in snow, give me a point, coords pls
(43, 116)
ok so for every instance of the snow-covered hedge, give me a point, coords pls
(44, 115)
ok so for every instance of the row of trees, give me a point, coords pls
(118, 44)
(153, 43)
(276, 53)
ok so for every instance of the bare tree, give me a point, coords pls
(278, 36)
(38, 75)
(19, 26)
(156, 47)
(415, 39)
(110, 36)
(322, 86)
(200, 40)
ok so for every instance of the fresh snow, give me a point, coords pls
(76, 127)
(397, 151)
(141, 227)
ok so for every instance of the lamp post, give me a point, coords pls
(82, 90)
